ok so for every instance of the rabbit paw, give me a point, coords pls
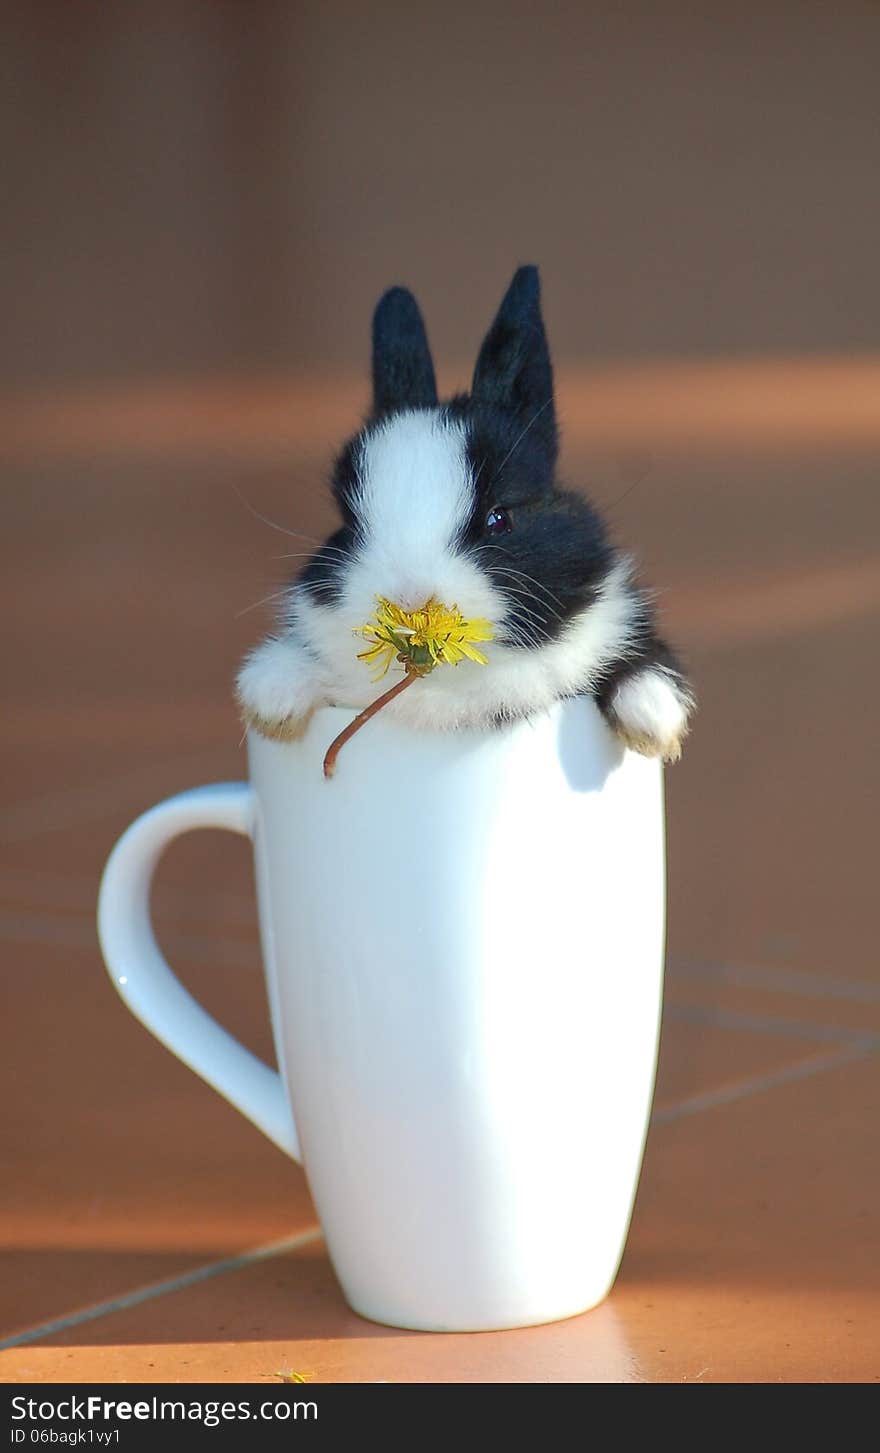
(649, 711)
(278, 689)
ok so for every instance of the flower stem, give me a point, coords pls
(339, 742)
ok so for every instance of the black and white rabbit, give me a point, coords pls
(459, 502)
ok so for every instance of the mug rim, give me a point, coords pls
(342, 716)
(348, 713)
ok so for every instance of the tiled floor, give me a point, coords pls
(149, 1232)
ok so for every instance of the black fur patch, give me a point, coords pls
(403, 373)
(556, 555)
(513, 372)
(647, 649)
(323, 575)
(549, 566)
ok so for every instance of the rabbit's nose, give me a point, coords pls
(412, 598)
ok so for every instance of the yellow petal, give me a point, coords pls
(473, 654)
(479, 630)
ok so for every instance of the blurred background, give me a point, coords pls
(203, 203)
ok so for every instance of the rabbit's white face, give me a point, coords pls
(413, 497)
(410, 490)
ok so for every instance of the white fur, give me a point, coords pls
(651, 709)
(280, 683)
(414, 493)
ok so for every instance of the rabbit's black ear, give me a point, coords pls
(403, 374)
(513, 369)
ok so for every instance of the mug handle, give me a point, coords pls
(144, 980)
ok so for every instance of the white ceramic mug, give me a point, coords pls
(463, 942)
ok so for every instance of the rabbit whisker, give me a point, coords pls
(273, 524)
(516, 443)
(522, 573)
(266, 600)
(531, 599)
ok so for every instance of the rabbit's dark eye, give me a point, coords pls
(498, 522)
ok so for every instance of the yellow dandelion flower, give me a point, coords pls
(433, 635)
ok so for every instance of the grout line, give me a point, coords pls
(82, 933)
(49, 932)
(77, 894)
(787, 981)
(161, 1288)
(769, 1024)
(803, 1070)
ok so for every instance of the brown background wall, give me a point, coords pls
(227, 186)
